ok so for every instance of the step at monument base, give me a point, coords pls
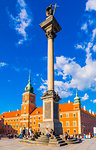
(43, 140)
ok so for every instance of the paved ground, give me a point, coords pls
(12, 144)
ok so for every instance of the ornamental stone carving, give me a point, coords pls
(50, 34)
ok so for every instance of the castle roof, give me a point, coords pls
(39, 111)
(11, 114)
(66, 107)
(62, 108)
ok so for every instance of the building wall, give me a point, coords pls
(88, 121)
(69, 119)
(10, 125)
(69, 122)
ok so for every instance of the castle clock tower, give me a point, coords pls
(28, 105)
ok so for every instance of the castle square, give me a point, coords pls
(59, 119)
(13, 144)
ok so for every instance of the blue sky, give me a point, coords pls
(23, 46)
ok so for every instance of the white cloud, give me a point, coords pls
(91, 5)
(21, 21)
(2, 64)
(59, 86)
(79, 46)
(22, 3)
(94, 101)
(78, 77)
(94, 34)
(94, 48)
(37, 75)
(85, 97)
(84, 27)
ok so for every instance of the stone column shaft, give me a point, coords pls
(50, 64)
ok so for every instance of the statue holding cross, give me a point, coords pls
(50, 11)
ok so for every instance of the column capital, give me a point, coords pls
(50, 34)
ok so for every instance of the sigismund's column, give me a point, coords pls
(50, 97)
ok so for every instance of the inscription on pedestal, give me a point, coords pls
(47, 110)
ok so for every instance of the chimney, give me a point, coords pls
(9, 110)
(17, 109)
(69, 101)
(84, 107)
(90, 111)
(93, 112)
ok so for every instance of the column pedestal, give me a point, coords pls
(51, 113)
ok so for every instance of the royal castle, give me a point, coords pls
(74, 118)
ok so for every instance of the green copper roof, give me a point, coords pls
(29, 87)
(77, 98)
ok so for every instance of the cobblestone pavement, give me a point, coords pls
(13, 144)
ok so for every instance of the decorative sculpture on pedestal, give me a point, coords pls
(50, 97)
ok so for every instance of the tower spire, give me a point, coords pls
(29, 87)
(29, 76)
(77, 98)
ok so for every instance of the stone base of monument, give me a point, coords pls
(56, 141)
(48, 124)
(71, 141)
(43, 140)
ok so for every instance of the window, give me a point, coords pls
(26, 98)
(8, 126)
(17, 125)
(24, 125)
(38, 124)
(67, 123)
(74, 130)
(25, 107)
(39, 118)
(67, 115)
(24, 112)
(74, 115)
(11, 119)
(34, 117)
(74, 123)
(61, 116)
(24, 119)
(68, 130)
(5, 126)
(34, 122)
(14, 119)
(13, 125)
